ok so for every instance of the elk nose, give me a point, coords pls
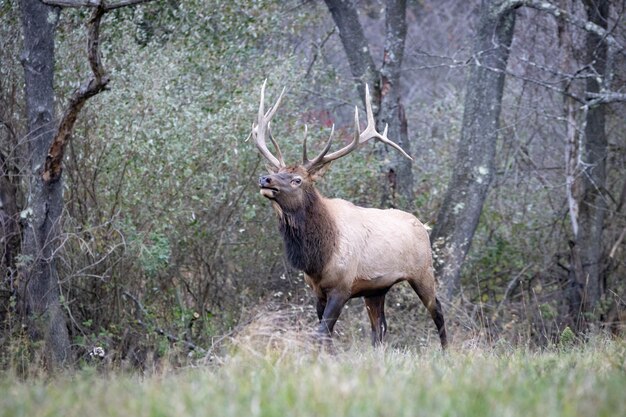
(265, 181)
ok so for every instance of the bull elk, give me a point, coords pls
(345, 251)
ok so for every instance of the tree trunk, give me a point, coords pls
(39, 292)
(356, 47)
(385, 87)
(475, 161)
(567, 65)
(592, 206)
(399, 173)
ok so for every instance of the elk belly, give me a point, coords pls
(375, 285)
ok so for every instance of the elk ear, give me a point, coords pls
(319, 173)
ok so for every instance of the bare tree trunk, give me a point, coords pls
(592, 205)
(356, 47)
(567, 64)
(399, 172)
(39, 293)
(475, 161)
(385, 87)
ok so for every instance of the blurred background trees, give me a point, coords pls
(165, 245)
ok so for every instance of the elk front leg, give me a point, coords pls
(334, 304)
(320, 306)
(375, 307)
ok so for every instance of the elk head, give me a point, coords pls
(290, 186)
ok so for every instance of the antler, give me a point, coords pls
(262, 128)
(359, 138)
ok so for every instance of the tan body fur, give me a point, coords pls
(375, 249)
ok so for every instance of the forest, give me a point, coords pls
(133, 235)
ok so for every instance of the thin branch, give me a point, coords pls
(545, 85)
(159, 330)
(72, 3)
(106, 6)
(596, 98)
(541, 83)
(512, 285)
(318, 51)
(559, 13)
(580, 74)
(606, 97)
(617, 243)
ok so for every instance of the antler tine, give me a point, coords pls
(359, 138)
(278, 152)
(319, 160)
(370, 131)
(383, 138)
(351, 146)
(259, 131)
(270, 113)
(305, 158)
(368, 110)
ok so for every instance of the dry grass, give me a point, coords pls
(272, 367)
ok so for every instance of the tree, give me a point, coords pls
(587, 150)
(475, 161)
(465, 196)
(384, 83)
(588, 253)
(39, 300)
(39, 295)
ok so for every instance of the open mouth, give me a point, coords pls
(269, 192)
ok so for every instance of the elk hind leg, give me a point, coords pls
(425, 290)
(375, 307)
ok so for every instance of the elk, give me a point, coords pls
(344, 250)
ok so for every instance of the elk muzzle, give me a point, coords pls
(267, 188)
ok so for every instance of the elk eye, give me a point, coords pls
(296, 181)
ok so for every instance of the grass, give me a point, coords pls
(589, 380)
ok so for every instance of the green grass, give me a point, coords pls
(584, 381)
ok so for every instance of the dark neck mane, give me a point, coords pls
(309, 234)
